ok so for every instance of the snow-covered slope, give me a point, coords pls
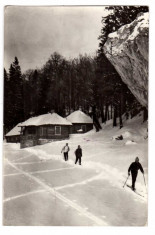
(127, 50)
(102, 151)
(104, 169)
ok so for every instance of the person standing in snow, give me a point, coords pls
(78, 154)
(65, 150)
(134, 167)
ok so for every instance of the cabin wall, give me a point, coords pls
(46, 131)
(13, 139)
(36, 135)
(27, 142)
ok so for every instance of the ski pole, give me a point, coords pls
(145, 183)
(125, 181)
(144, 180)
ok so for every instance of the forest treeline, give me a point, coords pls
(65, 85)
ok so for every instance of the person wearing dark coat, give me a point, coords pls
(134, 167)
(78, 154)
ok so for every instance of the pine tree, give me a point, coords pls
(7, 102)
(16, 92)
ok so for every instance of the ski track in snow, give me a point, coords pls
(103, 175)
(43, 171)
(115, 176)
(72, 204)
(24, 195)
(27, 163)
(79, 183)
(21, 158)
(108, 171)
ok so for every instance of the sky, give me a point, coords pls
(34, 33)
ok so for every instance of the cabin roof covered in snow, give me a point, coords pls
(15, 131)
(79, 117)
(46, 119)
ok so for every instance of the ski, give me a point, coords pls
(134, 191)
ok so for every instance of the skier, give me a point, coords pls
(78, 154)
(65, 150)
(134, 167)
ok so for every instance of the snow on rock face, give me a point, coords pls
(127, 50)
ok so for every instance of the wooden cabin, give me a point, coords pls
(43, 129)
(13, 136)
(81, 123)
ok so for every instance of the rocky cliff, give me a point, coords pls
(127, 50)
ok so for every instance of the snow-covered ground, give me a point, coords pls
(109, 159)
(102, 151)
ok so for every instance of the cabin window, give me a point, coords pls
(42, 131)
(57, 130)
(83, 127)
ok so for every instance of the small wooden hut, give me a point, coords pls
(81, 123)
(43, 129)
(13, 136)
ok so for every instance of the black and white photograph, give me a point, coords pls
(75, 115)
